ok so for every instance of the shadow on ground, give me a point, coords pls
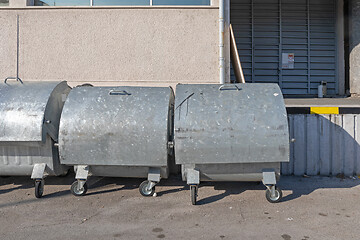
(298, 186)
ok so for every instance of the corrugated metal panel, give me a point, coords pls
(17, 159)
(264, 29)
(18, 155)
(325, 145)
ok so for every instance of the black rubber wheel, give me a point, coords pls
(39, 188)
(78, 192)
(193, 193)
(146, 192)
(278, 195)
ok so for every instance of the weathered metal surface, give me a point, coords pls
(38, 171)
(19, 158)
(25, 107)
(269, 178)
(242, 123)
(116, 126)
(29, 125)
(125, 171)
(325, 145)
(247, 172)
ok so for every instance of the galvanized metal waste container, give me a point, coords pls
(117, 132)
(29, 124)
(236, 132)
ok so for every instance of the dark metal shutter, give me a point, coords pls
(265, 29)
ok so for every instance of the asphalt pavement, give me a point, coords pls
(312, 208)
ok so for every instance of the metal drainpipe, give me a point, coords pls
(221, 40)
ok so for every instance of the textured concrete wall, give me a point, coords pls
(112, 46)
(21, 3)
(354, 32)
(325, 145)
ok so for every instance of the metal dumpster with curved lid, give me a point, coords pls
(235, 132)
(29, 123)
(117, 132)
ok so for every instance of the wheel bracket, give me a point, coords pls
(150, 185)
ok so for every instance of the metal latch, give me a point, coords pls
(229, 87)
(171, 144)
(121, 92)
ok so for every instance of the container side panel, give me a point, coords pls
(240, 123)
(124, 126)
(18, 158)
(22, 109)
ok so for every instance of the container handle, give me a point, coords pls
(121, 92)
(13, 78)
(229, 87)
(17, 55)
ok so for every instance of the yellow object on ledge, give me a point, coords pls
(324, 110)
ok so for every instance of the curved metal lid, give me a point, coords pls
(22, 109)
(125, 126)
(242, 123)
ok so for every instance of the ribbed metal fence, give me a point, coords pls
(324, 145)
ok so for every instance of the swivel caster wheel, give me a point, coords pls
(39, 188)
(193, 193)
(74, 189)
(276, 197)
(144, 190)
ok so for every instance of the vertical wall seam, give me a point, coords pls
(252, 43)
(321, 133)
(319, 126)
(293, 144)
(336, 48)
(280, 45)
(356, 145)
(342, 144)
(331, 143)
(306, 144)
(308, 46)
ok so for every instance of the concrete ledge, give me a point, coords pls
(322, 102)
(105, 7)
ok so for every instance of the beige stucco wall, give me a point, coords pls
(21, 3)
(112, 46)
